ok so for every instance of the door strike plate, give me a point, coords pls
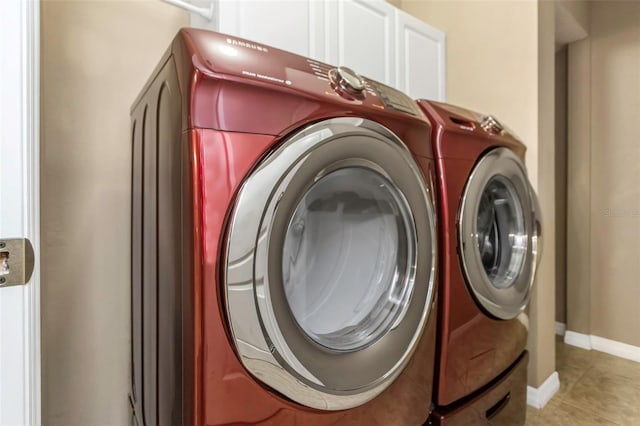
(16, 261)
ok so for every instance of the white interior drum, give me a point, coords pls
(345, 259)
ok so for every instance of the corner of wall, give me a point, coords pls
(542, 310)
(579, 186)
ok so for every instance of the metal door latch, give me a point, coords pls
(16, 261)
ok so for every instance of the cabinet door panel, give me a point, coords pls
(361, 35)
(292, 25)
(421, 58)
(372, 37)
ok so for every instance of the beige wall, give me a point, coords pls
(579, 10)
(571, 24)
(571, 21)
(491, 59)
(561, 182)
(542, 326)
(95, 58)
(603, 249)
(615, 171)
(578, 252)
(500, 59)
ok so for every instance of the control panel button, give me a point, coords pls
(347, 82)
(491, 125)
(350, 79)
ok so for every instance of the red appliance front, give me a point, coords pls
(229, 394)
(200, 129)
(503, 403)
(474, 347)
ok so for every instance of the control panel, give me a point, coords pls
(249, 60)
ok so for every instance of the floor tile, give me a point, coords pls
(571, 364)
(569, 376)
(595, 389)
(567, 355)
(608, 394)
(618, 366)
(558, 413)
(532, 414)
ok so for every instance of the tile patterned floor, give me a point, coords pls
(595, 389)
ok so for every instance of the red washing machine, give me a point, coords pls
(283, 242)
(489, 244)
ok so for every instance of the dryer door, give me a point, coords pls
(330, 264)
(498, 231)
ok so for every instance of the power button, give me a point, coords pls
(347, 82)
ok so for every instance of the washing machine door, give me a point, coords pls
(330, 264)
(499, 233)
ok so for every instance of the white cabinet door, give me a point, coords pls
(292, 25)
(372, 37)
(421, 57)
(361, 35)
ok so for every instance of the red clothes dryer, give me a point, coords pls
(489, 244)
(283, 242)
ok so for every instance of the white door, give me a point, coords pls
(284, 24)
(19, 209)
(374, 38)
(361, 35)
(420, 66)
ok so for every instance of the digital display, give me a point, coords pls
(394, 99)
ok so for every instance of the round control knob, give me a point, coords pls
(491, 125)
(347, 81)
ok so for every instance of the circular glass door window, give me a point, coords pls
(345, 259)
(502, 237)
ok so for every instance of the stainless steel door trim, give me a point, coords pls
(537, 230)
(292, 192)
(503, 303)
(269, 342)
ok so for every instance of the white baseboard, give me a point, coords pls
(538, 397)
(578, 339)
(611, 347)
(618, 349)
(560, 328)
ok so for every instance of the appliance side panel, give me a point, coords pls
(137, 124)
(186, 256)
(156, 252)
(149, 262)
(169, 265)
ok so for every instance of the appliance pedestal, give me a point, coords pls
(504, 402)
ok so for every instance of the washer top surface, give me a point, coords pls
(238, 85)
(464, 134)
